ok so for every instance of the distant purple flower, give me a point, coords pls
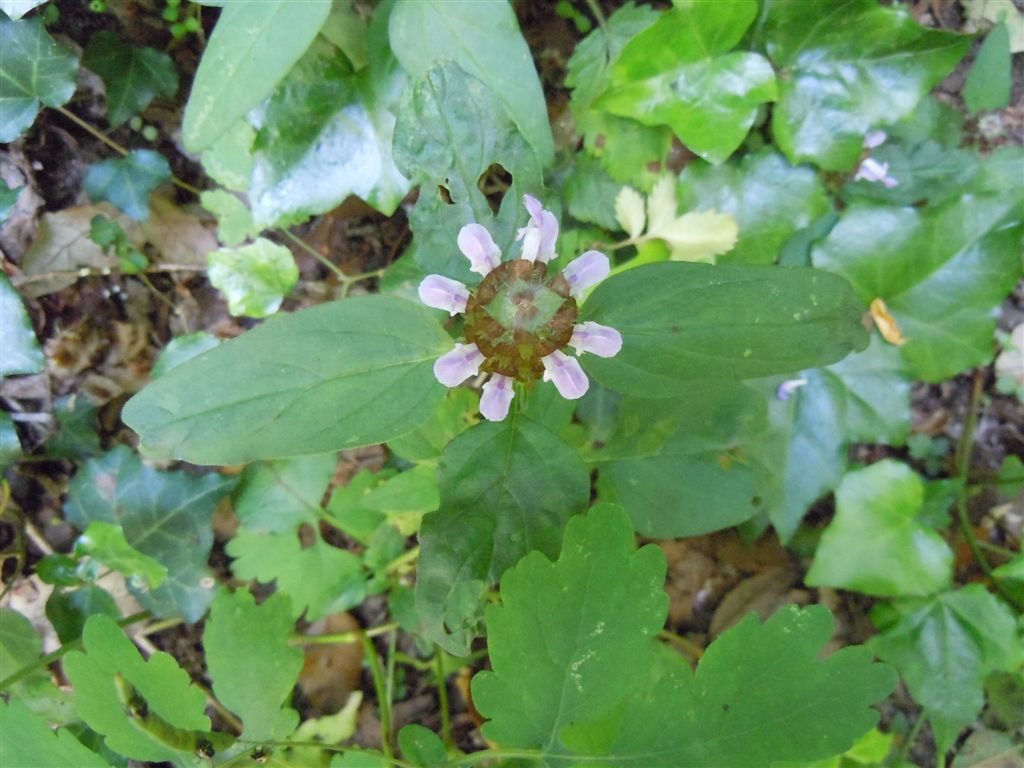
(869, 168)
(789, 387)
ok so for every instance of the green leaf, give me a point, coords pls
(290, 398)
(915, 259)
(107, 544)
(68, 610)
(770, 200)
(21, 351)
(254, 278)
(26, 740)
(453, 416)
(279, 496)
(680, 470)
(988, 83)
(234, 219)
(421, 747)
(405, 498)
(678, 72)
(699, 322)
(632, 153)
(99, 675)
(181, 349)
(593, 684)
(10, 445)
(944, 647)
(252, 666)
(834, 88)
(324, 135)
(874, 545)
(253, 46)
(20, 646)
(506, 488)
(229, 159)
(451, 128)
(133, 77)
(165, 515)
(127, 182)
(8, 199)
(484, 40)
(36, 70)
(320, 579)
(590, 193)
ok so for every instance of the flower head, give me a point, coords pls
(521, 317)
(869, 168)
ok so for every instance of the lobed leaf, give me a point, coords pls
(127, 182)
(27, 738)
(132, 76)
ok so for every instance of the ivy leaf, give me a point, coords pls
(288, 397)
(234, 219)
(132, 76)
(874, 545)
(482, 39)
(279, 496)
(506, 488)
(36, 70)
(254, 278)
(323, 135)
(106, 543)
(679, 72)
(165, 515)
(99, 675)
(944, 647)
(736, 322)
(127, 182)
(21, 350)
(834, 88)
(252, 48)
(769, 199)
(319, 579)
(252, 666)
(451, 128)
(26, 738)
(914, 260)
(593, 687)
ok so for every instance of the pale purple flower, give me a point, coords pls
(874, 171)
(540, 234)
(595, 338)
(585, 271)
(874, 139)
(453, 368)
(479, 247)
(497, 396)
(444, 293)
(566, 374)
(787, 388)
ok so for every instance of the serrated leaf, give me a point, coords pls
(679, 72)
(944, 646)
(874, 545)
(319, 579)
(506, 488)
(127, 182)
(382, 349)
(253, 46)
(165, 687)
(629, 211)
(279, 496)
(988, 83)
(254, 278)
(35, 70)
(592, 688)
(242, 638)
(701, 322)
(694, 236)
(26, 739)
(769, 199)
(19, 348)
(834, 88)
(133, 77)
(107, 544)
(234, 219)
(165, 515)
(947, 321)
(484, 40)
(590, 193)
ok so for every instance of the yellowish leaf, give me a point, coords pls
(886, 323)
(700, 236)
(661, 205)
(629, 211)
(984, 14)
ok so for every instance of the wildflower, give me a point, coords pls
(869, 168)
(789, 387)
(521, 317)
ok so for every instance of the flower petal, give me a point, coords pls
(874, 139)
(497, 396)
(596, 338)
(444, 293)
(872, 170)
(453, 368)
(540, 234)
(585, 271)
(479, 247)
(569, 379)
(534, 207)
(548, 236)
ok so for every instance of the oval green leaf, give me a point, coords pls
(336, 376)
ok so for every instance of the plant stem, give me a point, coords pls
(383, 700)
(442, 698)
(595, 8)
(689, 648)
(1006, 552)
(45, 661)
(341, 638)
(908, 744)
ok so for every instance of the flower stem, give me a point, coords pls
(383, 697)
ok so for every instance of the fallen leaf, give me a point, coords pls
(886, 323)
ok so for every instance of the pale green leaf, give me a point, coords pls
(234, 219)
(278, 496)
(133, 77)
(183, 348)
(19, 347)
(106, 543)
(127, 182)
(988, 83)
(254, 278)
(629, 211)
(453, 416)
(26, 741)
(288, 397)
(229, 159)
